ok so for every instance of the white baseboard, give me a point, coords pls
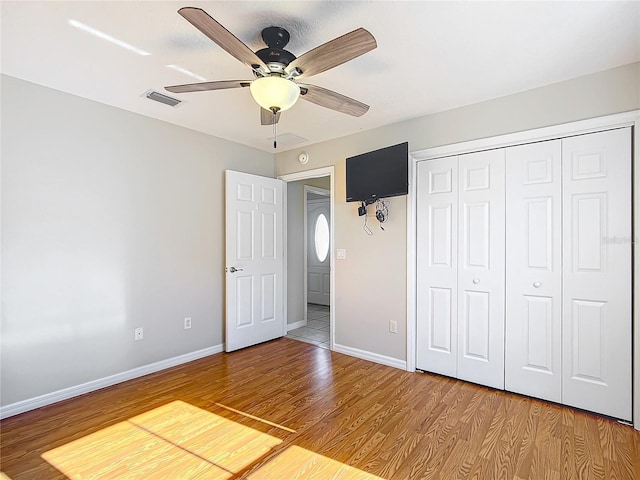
(294, 325)
(372, 357)
(70, 392)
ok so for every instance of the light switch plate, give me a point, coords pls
(341, 253)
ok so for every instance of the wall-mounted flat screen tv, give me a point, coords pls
(378, 174)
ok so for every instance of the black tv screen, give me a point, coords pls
(378, 174)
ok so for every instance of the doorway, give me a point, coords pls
(309, 257)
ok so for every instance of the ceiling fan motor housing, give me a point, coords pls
(275, 38)
(275, 55)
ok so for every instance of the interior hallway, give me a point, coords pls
(317, 330)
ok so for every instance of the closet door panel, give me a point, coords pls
(597, 274)
(481, 269)
(533, 321)
(437, 232)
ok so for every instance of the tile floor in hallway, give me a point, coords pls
(317, 329)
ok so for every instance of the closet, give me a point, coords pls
(524, 269)
(461, 267)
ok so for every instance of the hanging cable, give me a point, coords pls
(365, 227)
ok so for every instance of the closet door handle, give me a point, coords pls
(536, 284)
(476, 281)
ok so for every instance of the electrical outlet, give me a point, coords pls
(393, 326)
(187, 323)
(138, 334)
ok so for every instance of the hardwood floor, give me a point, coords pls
(287, 409)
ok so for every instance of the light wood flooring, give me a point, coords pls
(291, 410)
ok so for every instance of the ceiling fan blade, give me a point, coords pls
(199, 87)
(333, 100)
(334, 53)
(223, 37)
(267, 117)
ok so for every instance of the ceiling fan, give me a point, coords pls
(276, 71)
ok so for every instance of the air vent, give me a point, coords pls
(159, 97)
(288, 139)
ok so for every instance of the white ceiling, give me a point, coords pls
(431, 56)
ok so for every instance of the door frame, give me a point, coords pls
(305, 220)
(618, 120)
(306, 175)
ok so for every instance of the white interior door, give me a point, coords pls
(597, 275)
(254, 260)
(481, 245)
(533, 362)
(318, 248)
(437, 260)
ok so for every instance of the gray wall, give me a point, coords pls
(371, 287)
(110, 221)
(295, 245)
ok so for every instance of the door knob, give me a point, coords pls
(536, 284)
(476, 281)
(234, 269)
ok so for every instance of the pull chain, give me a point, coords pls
(275, 131)
(275, 111)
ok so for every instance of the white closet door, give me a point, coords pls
(437, 231)
(597, 275)
(481, 271)
(533, 361)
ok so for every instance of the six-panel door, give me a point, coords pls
(481, 268)
(596, 367)
(254, 260)
(533, 331)
(437, 252)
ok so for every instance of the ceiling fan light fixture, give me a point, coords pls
(274, 93)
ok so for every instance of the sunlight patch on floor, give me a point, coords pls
(177, 441)
(298, 463)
